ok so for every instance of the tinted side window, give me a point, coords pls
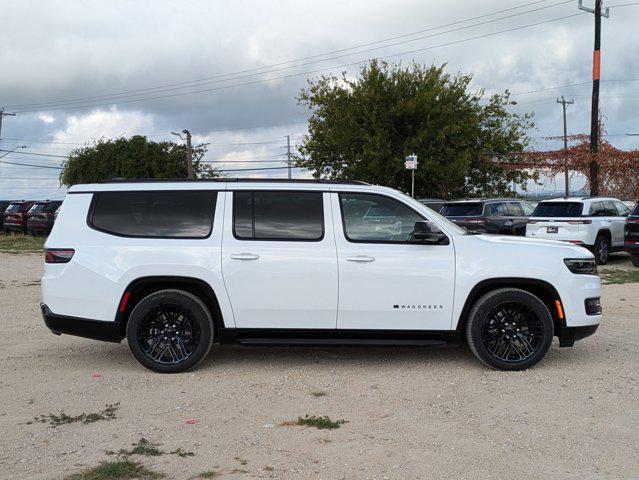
(172, 214)
(497, 209)
(515, 210)
(262, 215)
(597, 209)
(394, 221)
(622, 210)
(528, 208)
(611, 211)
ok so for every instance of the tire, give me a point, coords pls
(635, 260)
(601, 250)
(504, 344)
(151, 323)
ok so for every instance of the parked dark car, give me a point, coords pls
(41, 216)
(632, 235)
(505, 216)
(434, 203)
(3, 206)
(15, 216)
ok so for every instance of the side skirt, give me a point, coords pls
(333, 337)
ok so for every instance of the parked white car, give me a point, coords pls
(596, 223)
(177, 266)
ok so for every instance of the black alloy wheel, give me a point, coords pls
(602, 250)
(170, 331)
(509, 329)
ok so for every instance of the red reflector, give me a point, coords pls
(125, 298)
(58, 255)
(576, 242)
(627, 242)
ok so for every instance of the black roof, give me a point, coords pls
(249, 180)
(485, 200)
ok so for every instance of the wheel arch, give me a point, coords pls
(141, 287)
(540, 288)
(606, 233)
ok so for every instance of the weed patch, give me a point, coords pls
(209, 474)
(615, 276)
(319, 422)
(18, 243)
(119, 470)
(146, 448)
(55, 420)
(318, 393)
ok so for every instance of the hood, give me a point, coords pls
(513, 241)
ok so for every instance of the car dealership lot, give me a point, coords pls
(411, 412)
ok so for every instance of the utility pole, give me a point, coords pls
(594, 114)
(565, 102)
(288, 155)
(189, 152)
(3, 114)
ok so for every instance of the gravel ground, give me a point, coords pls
(411, 413)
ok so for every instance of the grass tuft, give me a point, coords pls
(19, 243)
(146, 448)
(209, 474)
(318, 393)
(108, 413)
(319, 422)
(118, 470)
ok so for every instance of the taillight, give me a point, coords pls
(632, 220)
(476, 221)
(58, 255)
(578, 222)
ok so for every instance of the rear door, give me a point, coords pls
(619, 222)
(517, 218)
(386, 281)
(279, 260)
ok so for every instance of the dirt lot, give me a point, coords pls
(411, 413)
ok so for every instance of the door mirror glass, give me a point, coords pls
(425, 233)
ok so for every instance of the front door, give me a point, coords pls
(387, 281)
(279, 261)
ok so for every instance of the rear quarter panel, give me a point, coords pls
(92, 284)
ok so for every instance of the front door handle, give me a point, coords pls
(245, 256)
(361, 259)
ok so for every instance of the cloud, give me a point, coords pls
(46, 118)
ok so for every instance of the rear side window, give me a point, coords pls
(558, 209)
(154, 214)
(497, 209)
(462, 209)
(514, 209)
(264, 215)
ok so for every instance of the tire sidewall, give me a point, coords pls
(186, 300)
(478, 317)
(598, 245)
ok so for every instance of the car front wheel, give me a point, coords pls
(170, 331)
(509, 329)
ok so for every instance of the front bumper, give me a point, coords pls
(569, 335)
(82, 327)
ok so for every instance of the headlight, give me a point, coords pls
(584, 266)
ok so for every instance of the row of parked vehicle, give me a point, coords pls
(602, 224)
(27, 216)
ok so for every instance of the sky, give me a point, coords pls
(76, 70)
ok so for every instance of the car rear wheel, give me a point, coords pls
(170, 331)
(509, 329)
(602, 250)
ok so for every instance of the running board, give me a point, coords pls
(326, 338)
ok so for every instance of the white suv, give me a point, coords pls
(594, 222)
(176, 266)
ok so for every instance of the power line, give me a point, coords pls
(36, 154)
(271, 68)
(30, 165)
(254, 82)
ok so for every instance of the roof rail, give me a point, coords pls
(230, 180)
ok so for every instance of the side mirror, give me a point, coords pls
(424, 233)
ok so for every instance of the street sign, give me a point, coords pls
(411, 162)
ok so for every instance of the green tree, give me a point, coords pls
(364, 128)
(134, 157)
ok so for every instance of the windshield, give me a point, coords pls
(635, 212)
(37, 207)
(462, 209)
(558, 209)
(14, 207)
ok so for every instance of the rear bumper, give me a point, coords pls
(569, 335)
(82, 327)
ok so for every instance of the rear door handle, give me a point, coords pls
(245, 256)
(361, 259)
